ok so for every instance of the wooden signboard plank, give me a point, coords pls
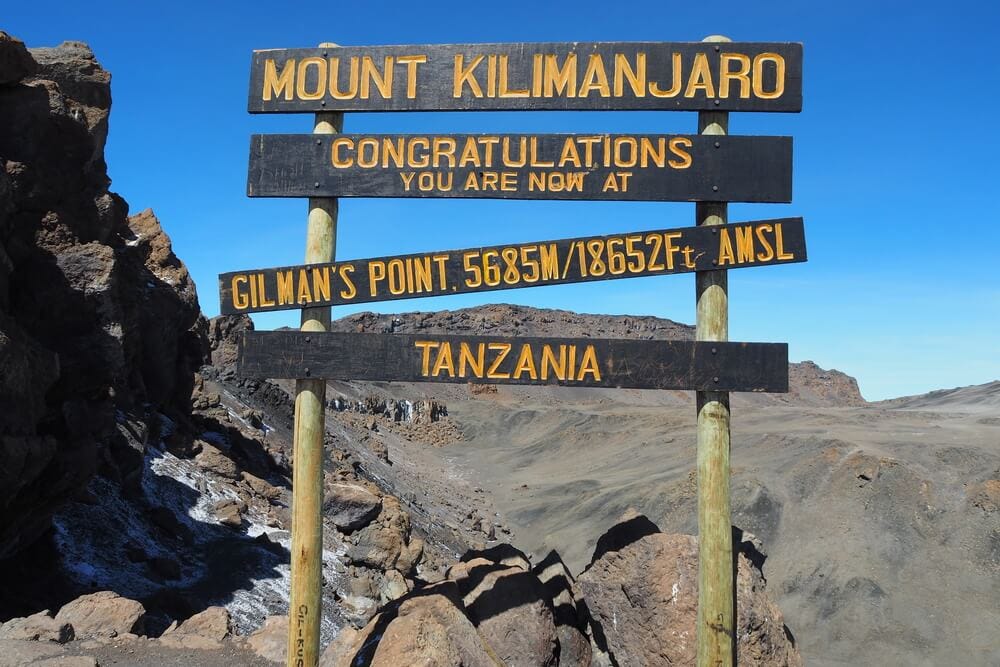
(509, 166)
(485, 269)
(666, 76)
(583, 362)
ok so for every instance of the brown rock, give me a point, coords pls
(393, 586)
(224, 334)
(641, 591)
(103, 614)
(410, 555)
(427, 628)
(271, 640)
(350, 506)
(212, 458)
(205, 630)
(985, 495)
(15, 61)
(358, 609)
(229, 512)
(37, 627)
(509, 608)
(261, 487)
(379, 544)
(574, 644)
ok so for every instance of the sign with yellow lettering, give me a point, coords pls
(658, 167)
(577, 362)
(649, 253)
(665, 76)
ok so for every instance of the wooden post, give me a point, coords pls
(305, 602)
(716, 601)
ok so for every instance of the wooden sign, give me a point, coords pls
(649, 253)
(507, 166)
(579, 362)
(666, 76)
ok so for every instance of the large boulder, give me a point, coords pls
(428, 628)
(509, 607)
(350, 506)
(103, 614)
(641, 591)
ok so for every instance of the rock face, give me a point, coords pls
(99, 320)
(641, 591)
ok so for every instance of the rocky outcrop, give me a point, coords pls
(641, 591)
(99, 321)
(634, 605)
(425, 629)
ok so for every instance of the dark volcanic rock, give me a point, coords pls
(15, 61)
(99, 321)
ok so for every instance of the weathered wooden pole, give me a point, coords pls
(716, 603)
(305, 602)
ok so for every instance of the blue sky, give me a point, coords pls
(895, 163)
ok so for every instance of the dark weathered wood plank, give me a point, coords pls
(669, 76)
(584, 362)
(512, 166)
(513, 266)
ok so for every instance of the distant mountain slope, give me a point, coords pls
(974, 398)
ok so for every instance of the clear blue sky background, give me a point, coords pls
(895, 162)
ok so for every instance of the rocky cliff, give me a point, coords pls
(99, 321)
